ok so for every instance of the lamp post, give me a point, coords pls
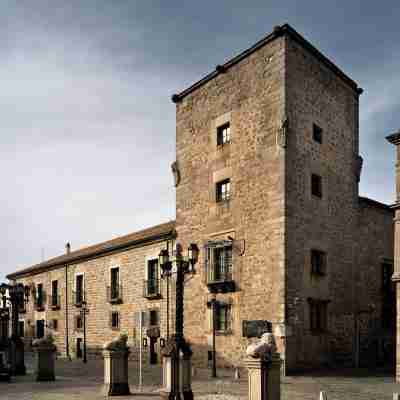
(18, 295)
(176, 343)
(84, 312)
(213, 305)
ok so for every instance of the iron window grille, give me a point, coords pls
(318, 262)
(223, 191)
(223, 134)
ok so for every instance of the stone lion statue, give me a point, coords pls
(120, 343)
(264, 348)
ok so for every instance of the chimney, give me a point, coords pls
(68, 248)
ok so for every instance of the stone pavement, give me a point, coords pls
(76, 380)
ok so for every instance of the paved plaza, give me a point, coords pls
(76, 380)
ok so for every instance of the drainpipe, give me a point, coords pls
(67, 250)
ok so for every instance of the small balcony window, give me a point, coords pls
(223, 134)
(223, 191)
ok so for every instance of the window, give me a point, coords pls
(316, 185)
(79, 289)
(222, 270)
(78, 323)
(54, 324)
(152, 285)
(317, 133)
(21, 328)
(223, 317)
(54, 294)
(318, 262)
(115, 320)
(115, 288)
(223, 190)
(223, 134)
(154, 318)
(40, 296)
(318, 315)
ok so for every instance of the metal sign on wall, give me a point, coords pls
(256, 328)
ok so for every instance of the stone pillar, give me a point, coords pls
(45, 356)
(264, 378)
(116, 355)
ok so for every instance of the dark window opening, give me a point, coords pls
(223, 134)
(154, 318)
(40, 295)
(223, 189)
(115, 320)
(54, 324)
(317, 133)
(54, 294)
(115, 292)
(79, 289)
(318, 315)
(318, 262)
(316, 185)
(78, 322)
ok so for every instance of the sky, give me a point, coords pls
(87, 127)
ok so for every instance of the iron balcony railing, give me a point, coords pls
(114, 294)
(55, 301)
(152, 288)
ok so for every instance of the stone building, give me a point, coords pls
(267, 174)
(395, 139)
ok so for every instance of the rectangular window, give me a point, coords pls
(316, 185)
(115, 292)
(223, 318)
(79, 289)
(115, 320)
(222, 270)
(40, 296)
(21, 328)
(54, 294)
(152, 286)
(317, 133)
(318, 315)
(78, 323)
(223, 190)
(54, 324)
(154, 318)
(318, 262)
(223, 134)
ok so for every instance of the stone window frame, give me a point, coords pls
(224, 134)
(222, 196)
(318, 270)
(217, 123)
(228, 307)
(115, 326)
(152, 257)
(317, 133)
(318, 316)
(210, 249)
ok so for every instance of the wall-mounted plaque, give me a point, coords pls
(256, 328)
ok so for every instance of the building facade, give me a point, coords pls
(267, 174)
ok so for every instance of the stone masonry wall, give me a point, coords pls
(250, 96)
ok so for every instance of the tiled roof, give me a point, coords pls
(374, 203)
(146, 235)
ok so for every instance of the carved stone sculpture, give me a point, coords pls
(282, 133)
(117, 344)
(264, 349)
(176, 173)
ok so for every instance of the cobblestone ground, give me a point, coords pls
(76, 380)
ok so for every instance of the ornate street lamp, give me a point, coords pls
(18, 296)
(176, 344)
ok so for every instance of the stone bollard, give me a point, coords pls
(115, 354)
(45, 355)
(323, 396)
(264, 369)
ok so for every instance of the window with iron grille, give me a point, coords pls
(318, 315)
(219, 262)
(316, 185)
(318, 262)
(223, 317)
(223, 190)
(317, 133)
(115, 320)
(223, 134)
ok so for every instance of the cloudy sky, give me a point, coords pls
(87, 125)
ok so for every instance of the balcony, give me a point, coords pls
(114, 294)
(78, 298)
(220, 281)
(152, 289)
(55, 302)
